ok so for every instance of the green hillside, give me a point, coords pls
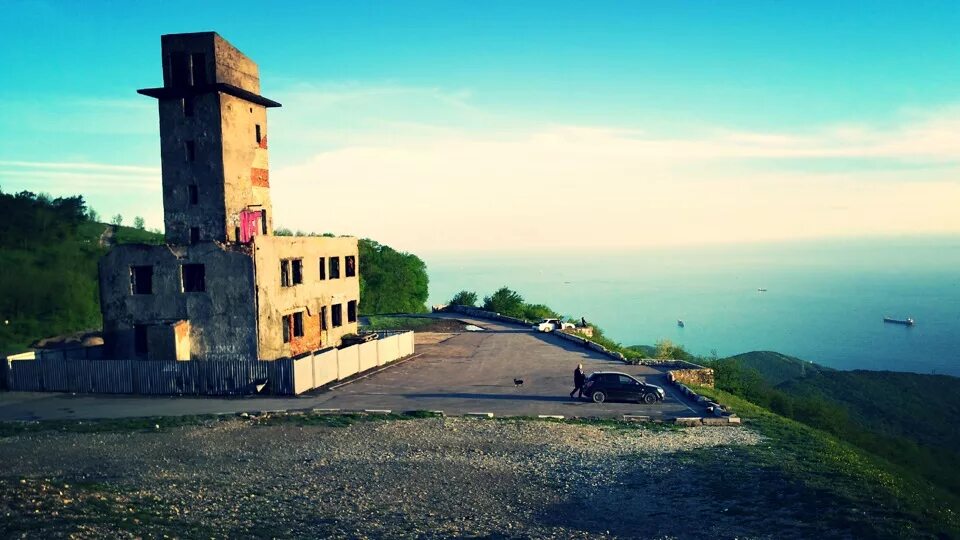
(776, 368)
(904, 418)
(50, 248)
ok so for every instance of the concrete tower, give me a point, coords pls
(223, 288)
(213, 142)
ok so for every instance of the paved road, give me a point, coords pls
(470, 372)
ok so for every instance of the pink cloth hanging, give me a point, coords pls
(249, 224)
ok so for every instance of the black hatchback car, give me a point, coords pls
(615, 386)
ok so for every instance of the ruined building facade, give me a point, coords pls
(223, 287)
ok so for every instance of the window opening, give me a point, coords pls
(298, 324)
(193, 277)
(141, 279)
(323, 317)
(190, 149)
(337, 313)
(323, 268)
(193, 194)
(285, 321)
(198, 67)
(180, 69)
(334, 267)
(264, 222)
(352, 311)
(194, 235)
(258, 133)
(140, 339)
(351, 263)
(297, 266)
(284, 273)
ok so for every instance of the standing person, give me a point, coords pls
(578, 381)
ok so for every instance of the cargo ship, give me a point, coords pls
(907, 322)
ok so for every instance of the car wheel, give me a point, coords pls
(599, 397)
(650, 398)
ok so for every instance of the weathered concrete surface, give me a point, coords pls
(317, 296)
(222, 317)
(470, 372)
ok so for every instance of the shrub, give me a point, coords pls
(464, 298)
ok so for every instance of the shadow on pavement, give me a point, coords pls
(517, 397)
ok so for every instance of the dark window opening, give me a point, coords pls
(285, 321)
(334, 267)
(193, 277)
(351, 263)
(297, 266)
(352, 311)
(323, 317)
(180, 69)
(194, 235)
(298, 324)
(258, 133)
(141, 279)
(140, 339)
(193, 194)
(187, 104)
(236, 234)
(323, 268)
(198, 67)
(337, 313)
(263, 221)
(284, 273)
(190, 150)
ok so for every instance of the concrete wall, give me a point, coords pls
(325, 367)
(309, 297)
(348, 362)
(222, 319)
(369, 355)
(245, 162)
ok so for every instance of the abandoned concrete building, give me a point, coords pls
(223, 287)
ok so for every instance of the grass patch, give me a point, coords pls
(382, 322)
(337, 420)
(119, 425)
(901, 503)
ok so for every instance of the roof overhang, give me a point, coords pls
(165, 92)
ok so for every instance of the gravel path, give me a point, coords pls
(424, 478)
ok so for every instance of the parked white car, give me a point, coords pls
(549, 325)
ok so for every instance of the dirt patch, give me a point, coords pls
(430, 338)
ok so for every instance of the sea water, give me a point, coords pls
(824, 301)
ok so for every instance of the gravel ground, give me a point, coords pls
(423, 478)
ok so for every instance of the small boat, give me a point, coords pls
(907, 322)
(761, 289)
(680, 323)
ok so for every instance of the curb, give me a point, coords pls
(478, 415)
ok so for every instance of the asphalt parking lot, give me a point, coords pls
(469, 372)
(475, 372)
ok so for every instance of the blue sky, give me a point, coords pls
(797, 96)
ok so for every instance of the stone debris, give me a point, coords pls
(423, 478)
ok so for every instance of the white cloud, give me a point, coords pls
(569, 185)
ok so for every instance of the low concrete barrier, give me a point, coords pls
(348, 362)
(324, 367)
(368, 354)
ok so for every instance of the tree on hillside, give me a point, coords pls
(138, 223)
(117, 220)
(391, 281)
(93, 215)
(464, 298)
(667, 349)
(504, 301)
